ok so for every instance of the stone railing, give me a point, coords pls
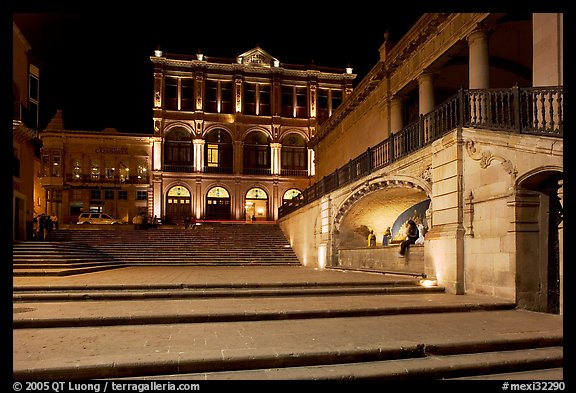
(534, 111)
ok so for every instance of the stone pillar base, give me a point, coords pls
(444, 256)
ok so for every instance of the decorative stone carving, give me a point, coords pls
(486, 158)
(469, 215)
(426, 174)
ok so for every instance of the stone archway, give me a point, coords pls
(538, 220)
(374, 206)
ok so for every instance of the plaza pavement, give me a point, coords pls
(182, 323)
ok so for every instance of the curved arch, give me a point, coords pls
(291, 193)
(256, 193)
(287, 133)
(213, 127)
(178, 124)
(537, 172)
(178, 191)
(175, 183)
(262, 130)
(217, 184)
(375, 185)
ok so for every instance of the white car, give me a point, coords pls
(97, 218)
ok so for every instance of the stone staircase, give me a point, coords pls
(308, 330)
(32, 258)
(219, 244)
(173, 313)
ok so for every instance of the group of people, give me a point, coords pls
(141, 221)
(45, 225)
(414, 235)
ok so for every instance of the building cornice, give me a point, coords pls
(206, 66)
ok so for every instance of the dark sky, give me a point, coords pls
(95, 64)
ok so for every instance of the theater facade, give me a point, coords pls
(229, 141)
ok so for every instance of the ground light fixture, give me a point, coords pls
(427, 283)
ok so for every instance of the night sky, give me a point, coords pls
(95, 64)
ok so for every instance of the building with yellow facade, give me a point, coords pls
(230, 141)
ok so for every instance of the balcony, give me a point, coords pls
(530, 111)
(101, 179)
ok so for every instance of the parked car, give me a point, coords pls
(97, 218)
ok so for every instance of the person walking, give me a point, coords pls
(54, 219)
(49, 225)
(41, 226)
(412, 234)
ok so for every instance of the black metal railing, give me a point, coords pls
(534, 111)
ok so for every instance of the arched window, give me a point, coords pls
(257, 154)
(178, 151)
(218, 152)
(290, 194)
(294, 160)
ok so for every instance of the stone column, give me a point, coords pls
(426, 93)
(198, 154)
(157, 196)
(238, 157)
(275, 159)
(479, 66)
(547, 49)
(396, 122)
(311, 162)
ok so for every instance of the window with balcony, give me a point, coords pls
(95, 170)
(249, 98)
(211, 96)
(257, 153)
(226, 97)
(301, 102)
(76, 169)
(218, 151)
(109, 170)
(188, 94)
(264, 100)
(171, 94)
(294, 156)
(287, 101)
(178, 151)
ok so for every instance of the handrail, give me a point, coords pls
(532, 111)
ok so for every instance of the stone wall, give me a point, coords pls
(384, 259)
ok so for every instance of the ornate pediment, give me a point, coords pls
(257, 57)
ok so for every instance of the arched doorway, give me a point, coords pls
(256, 206)
(538, 217)
(218, 204)
(178, 204)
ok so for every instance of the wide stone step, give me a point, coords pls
(428, 367)
(456, 344)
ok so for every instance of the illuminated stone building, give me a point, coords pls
(460, 121)
(230, 141)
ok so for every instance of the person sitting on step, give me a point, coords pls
(412, 234)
